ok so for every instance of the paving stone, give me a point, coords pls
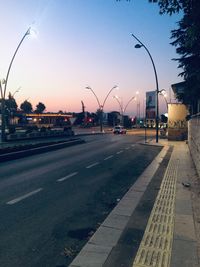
(184, 254)
(105, 236)
(116, 221)
(183, 207)
(91, 256)
(184, 227)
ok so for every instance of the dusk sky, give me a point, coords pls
(83, 43)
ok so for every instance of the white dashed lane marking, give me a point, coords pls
(119, 152)
(14, 201)
(109, 157)
(92, 165)
(67, 177)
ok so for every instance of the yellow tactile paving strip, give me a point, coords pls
(156, 245)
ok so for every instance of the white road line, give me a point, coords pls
(109, 157)
(67, 177)
(133, 145)
(127, 148)
(92, 165)
(11, 202)
(119, 152)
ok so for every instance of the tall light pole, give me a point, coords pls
(3, 87)
(138, 108)
(99, 105)
(156, 77)
(121, 106)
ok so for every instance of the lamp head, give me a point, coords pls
(138, 46)
(162, 91)
(88, 87)
(32, 32)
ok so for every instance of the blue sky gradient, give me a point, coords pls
(85, 42)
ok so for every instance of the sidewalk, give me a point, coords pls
(171, 238)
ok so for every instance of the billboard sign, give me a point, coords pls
(151, 105)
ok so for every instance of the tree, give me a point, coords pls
(187, 42)
(40, 107)
(26, 107)
(10, 105)
(186, 39)
(170, 6)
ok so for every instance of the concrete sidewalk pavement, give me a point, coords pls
(171, 238)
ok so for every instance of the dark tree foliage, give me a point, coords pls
(26, 107)
(40, 107)
(169, 6)
(10, 105)
(186, 39)
(187, 42)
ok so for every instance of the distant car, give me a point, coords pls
(119, 130)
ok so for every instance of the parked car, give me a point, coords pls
(119, 130)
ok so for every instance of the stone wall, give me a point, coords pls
(194, 139)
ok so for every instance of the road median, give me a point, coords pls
(30, 149)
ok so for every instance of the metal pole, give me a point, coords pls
(121, 107)
(3, 92)
(157, 88)
(132, 98)
(104, 104)
(101, 106)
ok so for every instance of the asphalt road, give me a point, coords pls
(51, 203)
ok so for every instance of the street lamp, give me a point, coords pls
(156, 77)
(121, 106)
(99, 105)
(16, 91)
(164, 94)
(3, 87)
(132, 98)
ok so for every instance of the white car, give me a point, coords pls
(119, 130)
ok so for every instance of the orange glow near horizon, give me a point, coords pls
(85, 44)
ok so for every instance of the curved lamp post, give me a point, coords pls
(16, 91)
(99, 105)
(163, 93)
(156, 77)
(3, 89)
(132, 98)
(121, 106)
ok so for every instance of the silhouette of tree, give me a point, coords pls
(187, 42)
(26, 107)
(10, 105)
(40, 107)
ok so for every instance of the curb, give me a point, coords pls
(37, 150)
(97, 250)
